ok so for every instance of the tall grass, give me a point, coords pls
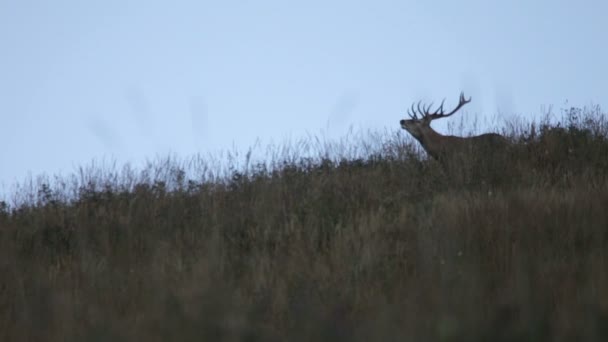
(360, 239)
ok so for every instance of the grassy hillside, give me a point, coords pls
(376, 243)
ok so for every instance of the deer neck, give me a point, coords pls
(430, 137)
(431, 141)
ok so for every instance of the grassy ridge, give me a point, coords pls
(383, 246)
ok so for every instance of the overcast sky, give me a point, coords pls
(82, 80)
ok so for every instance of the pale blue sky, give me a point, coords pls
(82, 80)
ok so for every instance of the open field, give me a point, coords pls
(377, 244)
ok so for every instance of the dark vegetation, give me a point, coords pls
(382, 244)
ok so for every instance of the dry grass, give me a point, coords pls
(376, 244)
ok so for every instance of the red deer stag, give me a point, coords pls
(441, 146)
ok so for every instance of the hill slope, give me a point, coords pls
(388, 246)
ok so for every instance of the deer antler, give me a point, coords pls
(438, 113)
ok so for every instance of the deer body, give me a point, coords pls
(441, 146)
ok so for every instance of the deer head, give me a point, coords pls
(420, 126)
